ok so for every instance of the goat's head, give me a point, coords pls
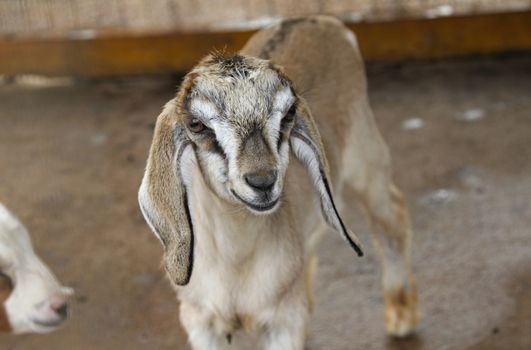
(31, 299)
(236, 117)
(238, 113)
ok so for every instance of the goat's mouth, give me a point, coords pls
(48, 323)
(257, 207)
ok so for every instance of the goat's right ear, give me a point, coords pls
(163, 195)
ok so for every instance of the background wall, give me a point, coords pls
(59, 16)
(124, 37)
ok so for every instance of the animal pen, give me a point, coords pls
(82, 83)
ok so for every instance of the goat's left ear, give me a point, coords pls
(307, 146)
(163, 194)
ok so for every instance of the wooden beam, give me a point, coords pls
(445, 37)
(119, 53)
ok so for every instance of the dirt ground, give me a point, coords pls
(71, 159)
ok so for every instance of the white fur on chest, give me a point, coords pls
(243, 263)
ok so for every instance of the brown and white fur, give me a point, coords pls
(244, 159)
(31, 299)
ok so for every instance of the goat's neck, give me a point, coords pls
(230, 230)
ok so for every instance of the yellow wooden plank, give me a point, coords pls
(118, 53)
(445, 37)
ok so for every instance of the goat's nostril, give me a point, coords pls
(60, 309)
(261, 181)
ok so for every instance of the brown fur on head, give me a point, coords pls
(239, 114)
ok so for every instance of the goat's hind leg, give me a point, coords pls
(390, 224)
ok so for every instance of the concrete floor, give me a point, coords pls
(71, 159)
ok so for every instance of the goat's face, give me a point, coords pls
(31, 299)
(238, 112)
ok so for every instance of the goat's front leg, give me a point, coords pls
(198, 326)
(287, 329)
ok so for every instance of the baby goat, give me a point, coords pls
(31, 299)
(233, 209)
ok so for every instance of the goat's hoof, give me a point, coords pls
(401, 316)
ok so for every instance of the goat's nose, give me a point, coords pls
(60, 308)
(261, 181)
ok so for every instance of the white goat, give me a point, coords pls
(226, 201)
(31, 299)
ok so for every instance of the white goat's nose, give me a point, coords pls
(59, 304)
(61, 309)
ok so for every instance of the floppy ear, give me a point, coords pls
(308, 148)
(163, 196)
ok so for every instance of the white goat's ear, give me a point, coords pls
(163, 195)
(308, 148)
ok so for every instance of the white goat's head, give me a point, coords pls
(238, 113)
(236, 117)
(31, 299)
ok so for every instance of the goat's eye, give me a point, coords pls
(290, 116)
(196, 126)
